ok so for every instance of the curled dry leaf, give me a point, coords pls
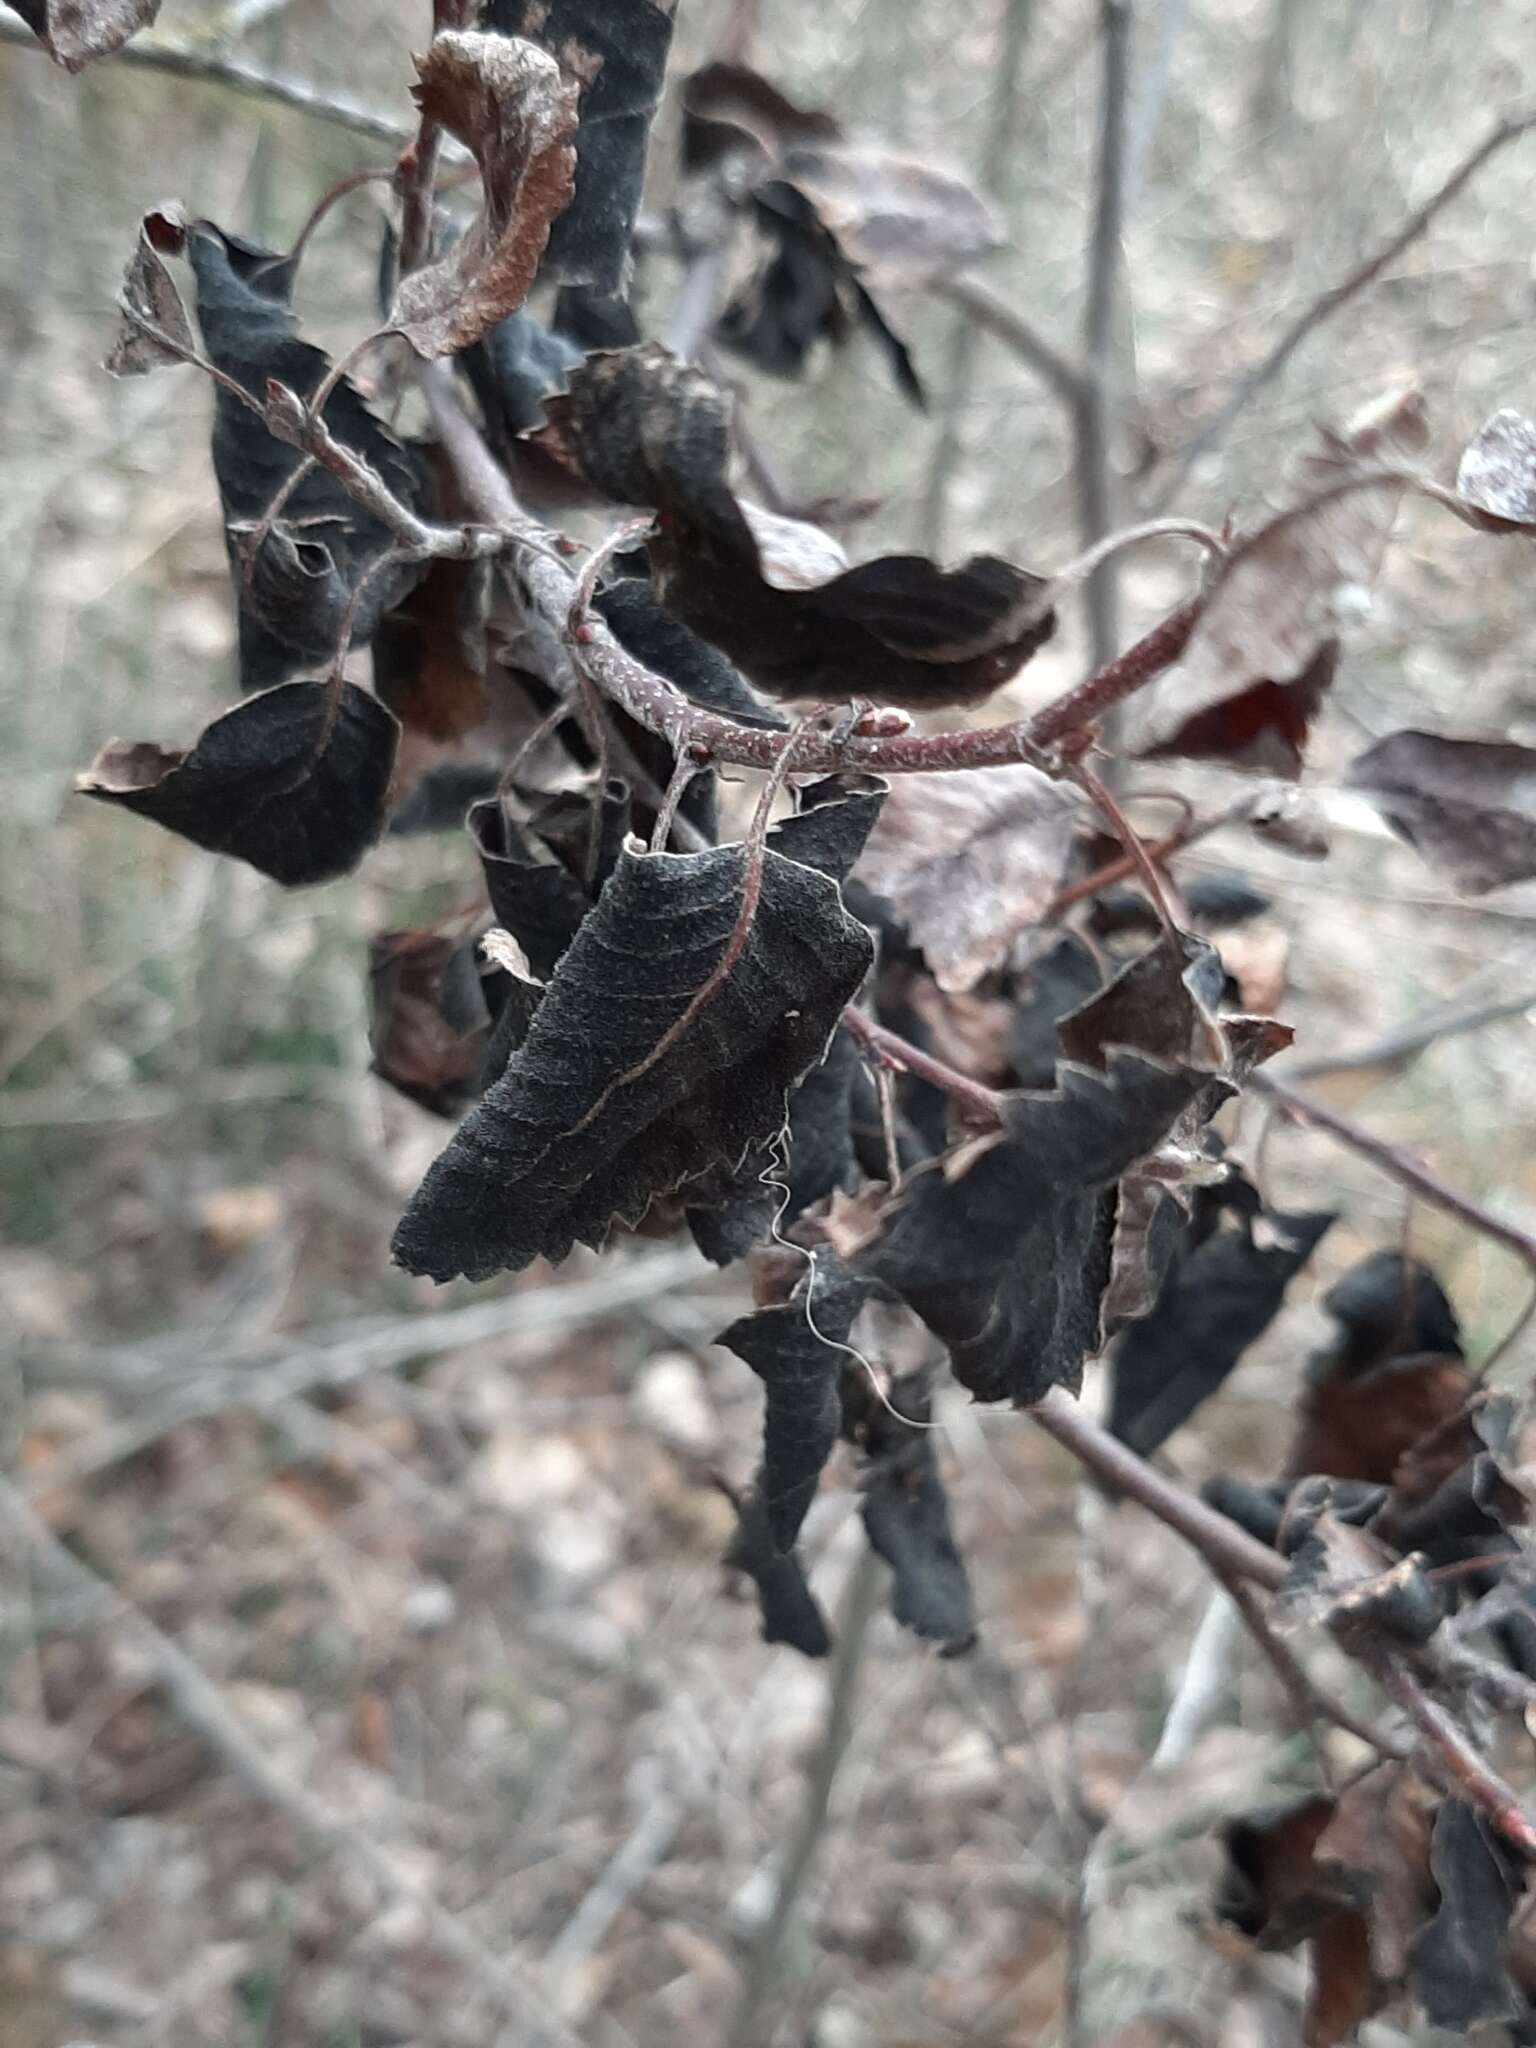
(905, 1509)
(149, 295)
(1460, 1962)
(645, 429)
(298, 593)
(968, 861)
(429, 652)
(1222, 1289)
(294, 780)
(1497, 472)
(797, 1351)
(1003, 1247)
(429, 1024)
(75, 31)
(508, 103)
(899, 218)
(1468, 806)
(1263, 652)
(668, 1040)
(615, 53)
(1348, 1876)
(789, 1610)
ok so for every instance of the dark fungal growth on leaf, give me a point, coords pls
(905, 1509)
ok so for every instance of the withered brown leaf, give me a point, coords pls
(968, 861)
(1468, 806)
(75, 31)
(1263, 651)
(509, 104)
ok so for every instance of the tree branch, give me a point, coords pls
(1401, 1166)
(996, 317)
(203, 1708)
(1091, 460)
(762, 1966)
(551, 591)
(1337, 296)
(1453, 1760)
(965, 334)
(1229, 1550)
(209, 67)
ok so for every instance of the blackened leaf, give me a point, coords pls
(906, 1514)
(1459, 1969)
(1387, 1308)
(1468, 806)
(667, 648)
(969, 860)
(615, 51)
(429, 652)
(729, 1218)
(593, 319)
(440, 799)
(430, 1024)
(508, 103)
(831, 823)
(149, 291)
(1215, 1302)
(1003, 1247)
(75, 31)
(1264, 648)
(804, 292)
(641, 1068)
(585, 830)
(537, 899)
(514, 368)
(797, 1351)
(1059, 981)
(294, 601)
(729, 108)
(645, 429)
(294, 780)
(1497, 472)
(788, 1606)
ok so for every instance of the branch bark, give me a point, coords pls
(965, 335)
(209, 67)
(1093, 408)
(1332, 300)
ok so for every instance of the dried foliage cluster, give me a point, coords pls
(899, 1037)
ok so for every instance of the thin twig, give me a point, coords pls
(1451, 1757)
(1092, 460)
(965, 334)
(1337, 296)
(1312, 1702)
(1225, 1546)
(864, 1594)
(209, 67)
(1401, 1166)
(1397, 1047)
(657, 705)
(995, 316)
(981, 1103)
(203, 1708)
